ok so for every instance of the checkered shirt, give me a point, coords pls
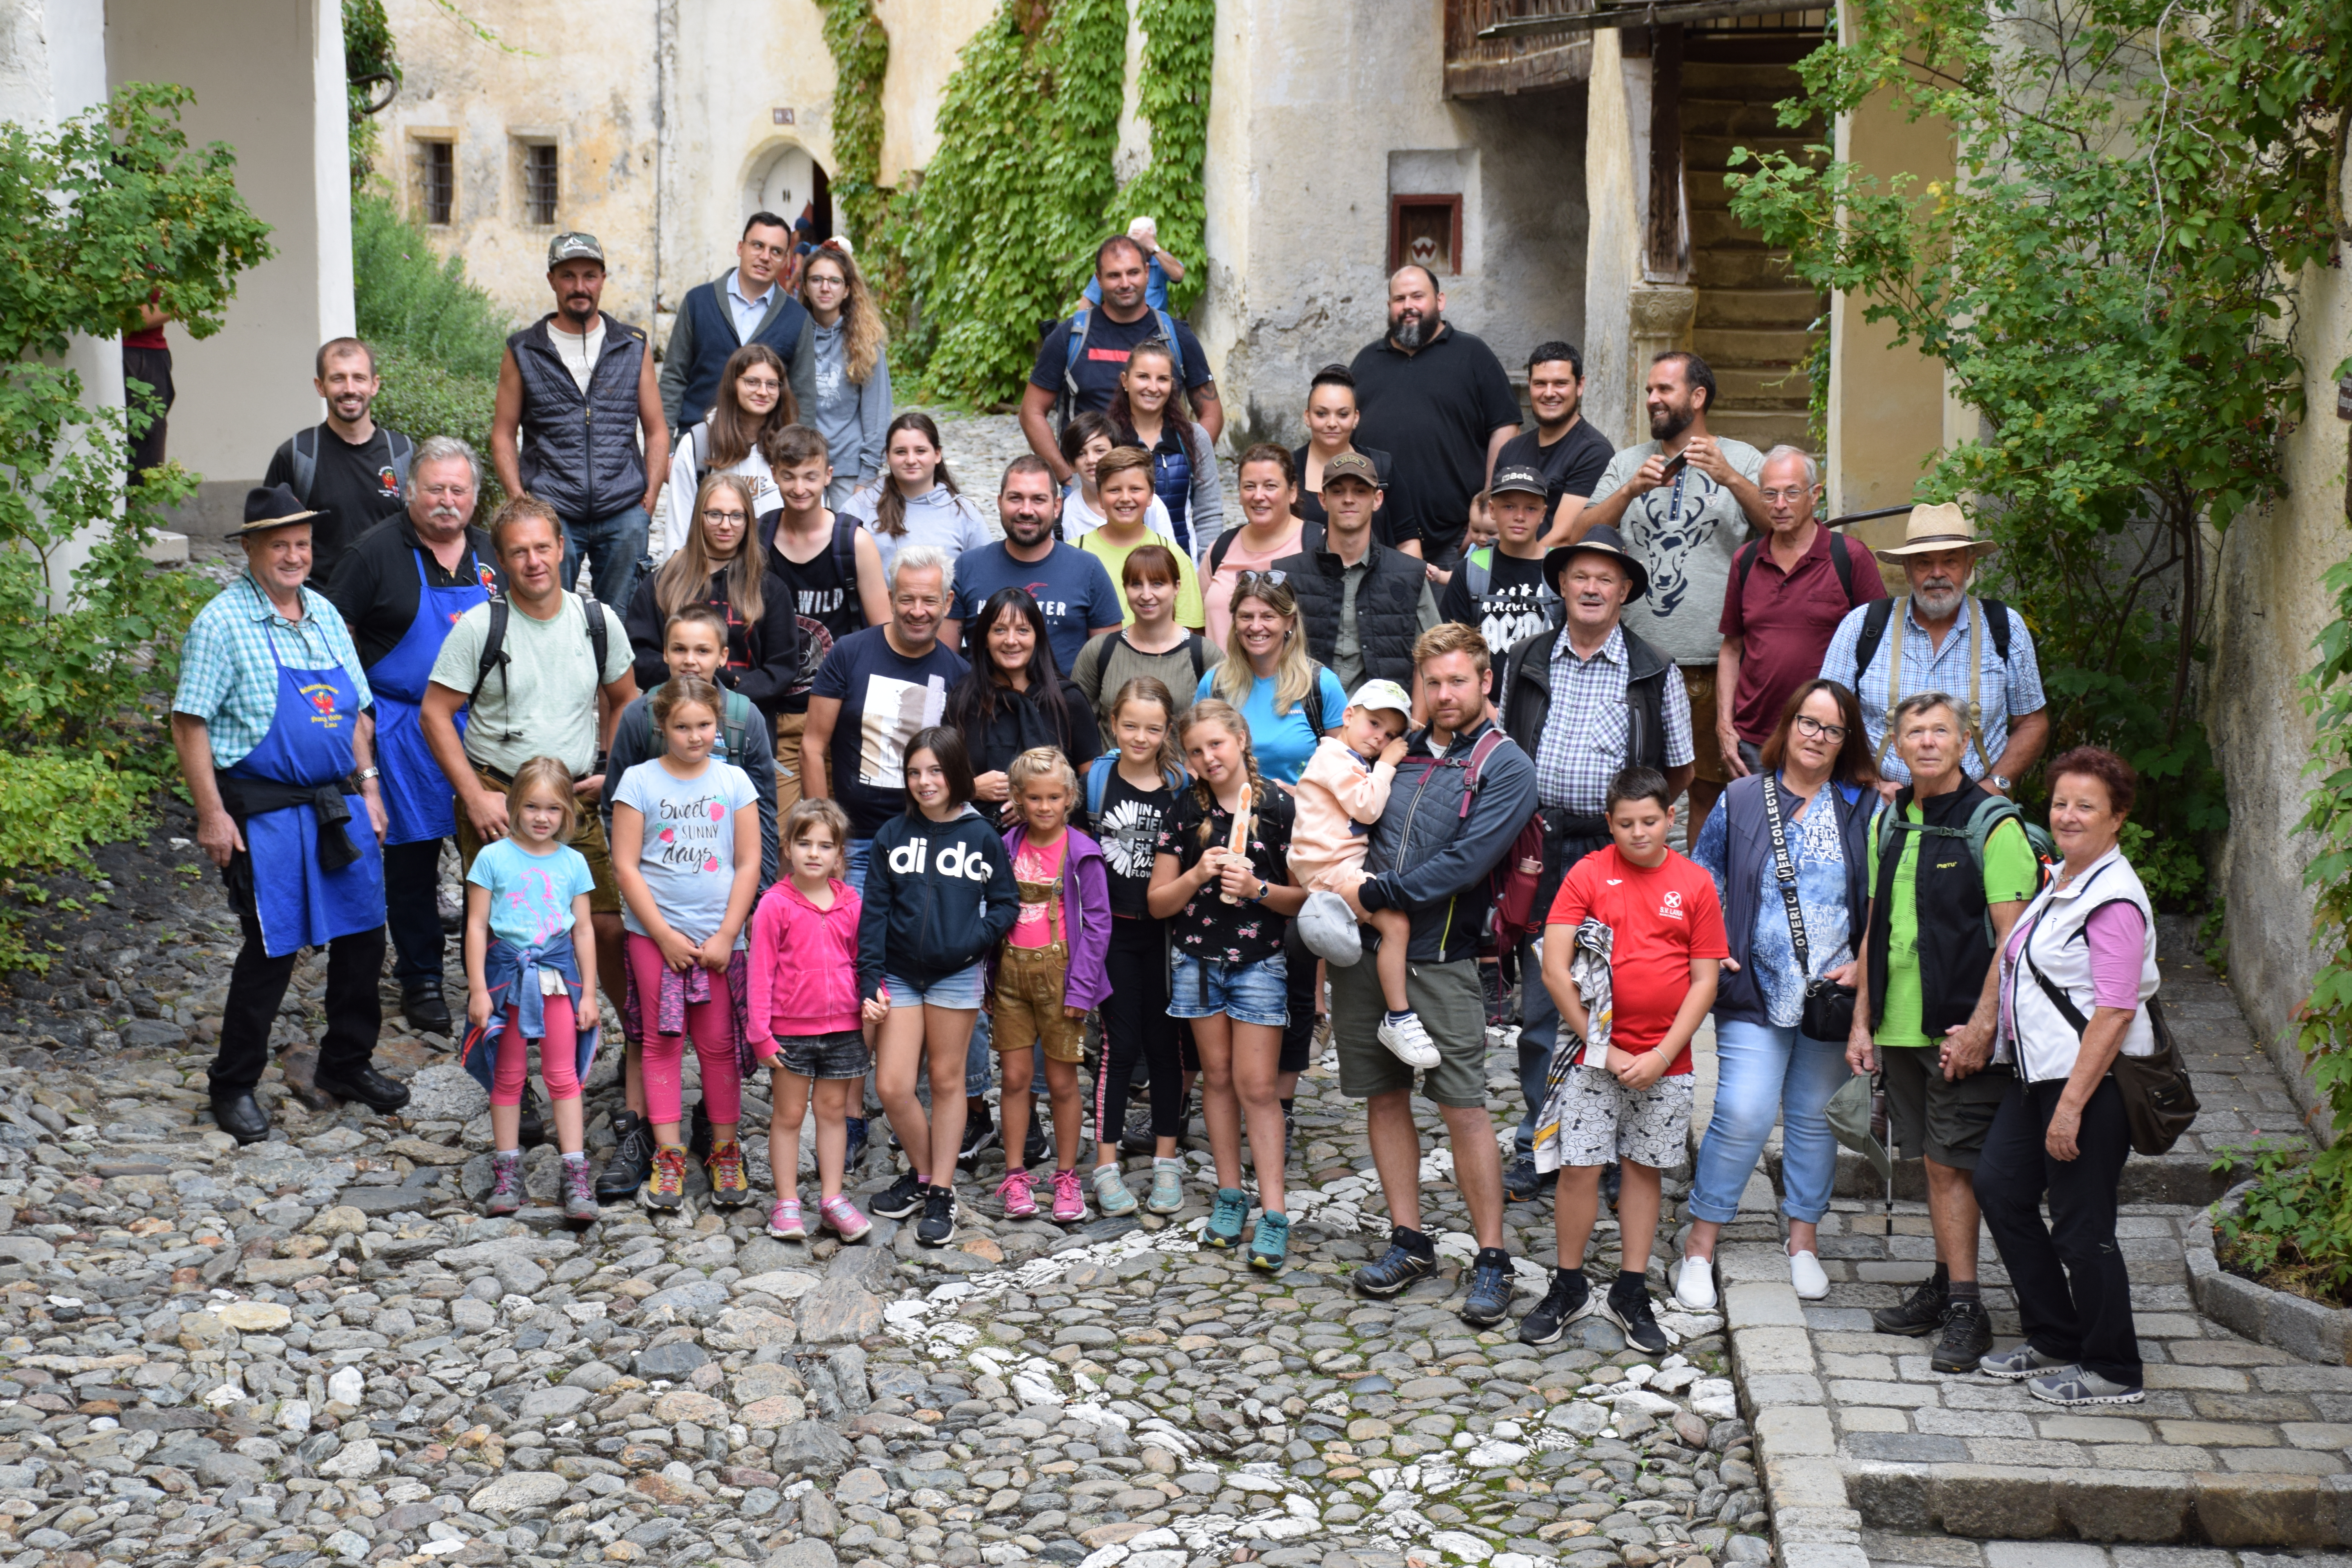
(1583, 741)
(229, 676)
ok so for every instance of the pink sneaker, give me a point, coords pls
(840, 1215)
(1014, 1190)
(1069, 1198)
(784, 1221)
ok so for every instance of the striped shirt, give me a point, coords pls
(1585, 729)
(228, 665)
(2009, 689)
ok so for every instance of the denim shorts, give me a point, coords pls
(841, 1055)
(1247, 992)
(964, 988)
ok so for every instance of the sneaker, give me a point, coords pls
(854, 1155)
(900, 1198)
(580, 1205)
(1223, 1230)
(632, 1161)
(1137, 1137)
(784, 1221)
(839, 1215)
(1032, 1148)
(1408, 1257)
(1806, 1274)
(664, 1189)
(2023, 1362)
(1694, 1280)
(1167, 1187)
(979, 1136)
(1627, 1305)
(729, 1187)
(1020, 1202)
(1489, 1301)
(1270, 1242)
(938, 1225)
(1570, 1297)
(1069, 1198)
(1966, 1336)
(505, 1183)
(1408, 1042)
(2081, 1385)
(1917, 1314)
(1111, 1196)
(1523, 1184)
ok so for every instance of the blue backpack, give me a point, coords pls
(1076, 347)
(1098, 774)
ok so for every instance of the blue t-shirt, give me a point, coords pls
(1072, 587)
(885, 699)
(531, 895)
(1283, 745)
(686, 854)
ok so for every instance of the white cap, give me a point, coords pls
(1375, 695)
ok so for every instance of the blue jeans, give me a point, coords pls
(1764, 1073)
(1539, 1028)
(615, 548)
(1247, 992)
(858, 852)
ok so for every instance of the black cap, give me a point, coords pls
(1518, 479)
(1599, 539)
(270, 506)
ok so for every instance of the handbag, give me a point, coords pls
(1829, 1006)
(2158, 1100)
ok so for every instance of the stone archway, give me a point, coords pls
(789, 181)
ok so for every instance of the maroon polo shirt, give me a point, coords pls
(1785, 620)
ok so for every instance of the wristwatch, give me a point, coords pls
(367, 773)
(2001, 782)
(1264, 887)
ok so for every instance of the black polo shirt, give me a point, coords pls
(1433, 412)
(375, 588)
(1570, 465)
(1104, 357)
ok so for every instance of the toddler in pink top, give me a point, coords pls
(1340, 795)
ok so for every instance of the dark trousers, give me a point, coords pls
(2073, 1295)
(1298, 1034)
(412, 908)
(256, 984)
(152, 366)
(1136, 1027)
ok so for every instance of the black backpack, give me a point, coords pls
(494, 641)
(306, 459)
(1841, 557)
(1882, 611)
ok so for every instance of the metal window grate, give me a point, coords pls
(538, 183)
(440, 181)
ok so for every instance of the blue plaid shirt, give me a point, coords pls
(2007, 691)
(1583, 743)
(229, 676)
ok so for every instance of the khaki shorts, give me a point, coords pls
(1928, 1114)
(1707, 750)
(1452, 1008)
(1028, 1004)
(587, 837)
(789, 727)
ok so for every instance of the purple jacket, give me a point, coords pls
(1087, 922)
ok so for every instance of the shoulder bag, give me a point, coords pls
(1829, 1006)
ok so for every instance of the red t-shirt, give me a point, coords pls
(1663, 918)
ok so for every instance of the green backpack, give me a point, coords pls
(1989, 813)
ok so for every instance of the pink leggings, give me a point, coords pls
(712, 1026)
(561, 1066)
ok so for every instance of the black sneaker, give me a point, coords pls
(1570, 1297)
(1489, 1301)
(980, 1135)
(631, 1162)
(899, 1199)
(1137, 1137)
(1918, 1314)
(938, 1226)
(1966, 1336)
(1627, 1305)
(855, 1155)
(1032, 1148)
(1409, 1257)
(1523, 1184)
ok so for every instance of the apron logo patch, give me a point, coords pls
(322, 698)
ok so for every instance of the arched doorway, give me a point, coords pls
(791, 184)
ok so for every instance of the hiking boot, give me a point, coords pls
(580, 1205)
(1570, 1297)
(1223, 1230)
(632, 1161)
(664, 1189)
(1627, 1305)
(2022, 1362)
(1409, 1257)
(505, 1183)
(2080, 1386)
(1523, 1184)
(1966, 1336)
(938, 1225)
(1016, 1192)
(1489, 1301)
(1111, 1196)
(900, 1198)
(1270, 1242)
(1069, 1198)
(1919, 1313)
(729, 1186)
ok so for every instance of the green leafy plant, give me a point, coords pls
(1172, 97)
(53, 806)
(2293, 1230)
(438, 339)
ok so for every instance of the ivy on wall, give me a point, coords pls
(1178, 48)
(861, 58)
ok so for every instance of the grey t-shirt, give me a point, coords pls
(543, 703)
(1686, 531)
(688, 853)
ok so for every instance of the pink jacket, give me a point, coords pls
(804, 963)
(1338, 799)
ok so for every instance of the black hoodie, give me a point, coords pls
(938, 897)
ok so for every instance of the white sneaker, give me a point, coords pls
(1408, 1042)
(1694, 1284)
(1805, 1274)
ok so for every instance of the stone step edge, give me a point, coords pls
(2214, 1508)
(2276, 1318)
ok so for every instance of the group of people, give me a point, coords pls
(847, 787)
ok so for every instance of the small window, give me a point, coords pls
(539, 184)
(1425, 231)
(440, 181)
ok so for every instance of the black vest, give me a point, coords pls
(1527, 697)
(715, 343)
(1388, 606)
(1954, 944)
(580, 454)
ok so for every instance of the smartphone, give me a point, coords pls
(1676, 464)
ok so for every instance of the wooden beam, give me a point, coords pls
(1635, 17)
(1667, 254)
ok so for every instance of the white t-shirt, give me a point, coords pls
(688, 858)
(1079, 520)
(579, 352)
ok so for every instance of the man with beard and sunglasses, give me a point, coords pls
(348, 467)
(1685, 501)
(1437, 401)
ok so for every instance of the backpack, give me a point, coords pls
(1989, 813)
(1992, 619)
(844, 550)
(306, 459)
(1098, 774)
(494, 641)
(1076, 347)
(1512, 881)
(1841, 557)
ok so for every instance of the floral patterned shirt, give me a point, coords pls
(1209, 928)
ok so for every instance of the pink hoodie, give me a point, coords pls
(804, 963)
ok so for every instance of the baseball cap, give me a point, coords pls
(1515, 480)
(1351, 466)
(1375, 695)
(573, 245)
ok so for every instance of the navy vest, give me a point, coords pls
(715, 343)
(579, 455)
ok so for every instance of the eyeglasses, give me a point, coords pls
(1792, 494)
(1813, 728)
(825, 280)
(737, 518)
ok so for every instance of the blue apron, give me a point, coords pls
(417, 798)
(310, 743)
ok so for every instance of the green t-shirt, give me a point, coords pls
(2010, 875)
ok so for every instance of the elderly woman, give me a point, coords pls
(1787, 962)
(2077, 974)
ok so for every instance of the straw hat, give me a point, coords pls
(1933, 528)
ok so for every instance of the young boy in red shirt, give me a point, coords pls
(1666, 936)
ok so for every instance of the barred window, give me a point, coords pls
(440, 187)
(538, 183)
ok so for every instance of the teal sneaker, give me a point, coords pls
(1223, 1230)
(1270, 1246)
(1167, 1187)
(1111, 1196)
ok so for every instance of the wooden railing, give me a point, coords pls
(1476, 68)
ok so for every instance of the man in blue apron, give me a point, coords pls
(273, 726)
(401, 588)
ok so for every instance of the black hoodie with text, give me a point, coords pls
(938, 897)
